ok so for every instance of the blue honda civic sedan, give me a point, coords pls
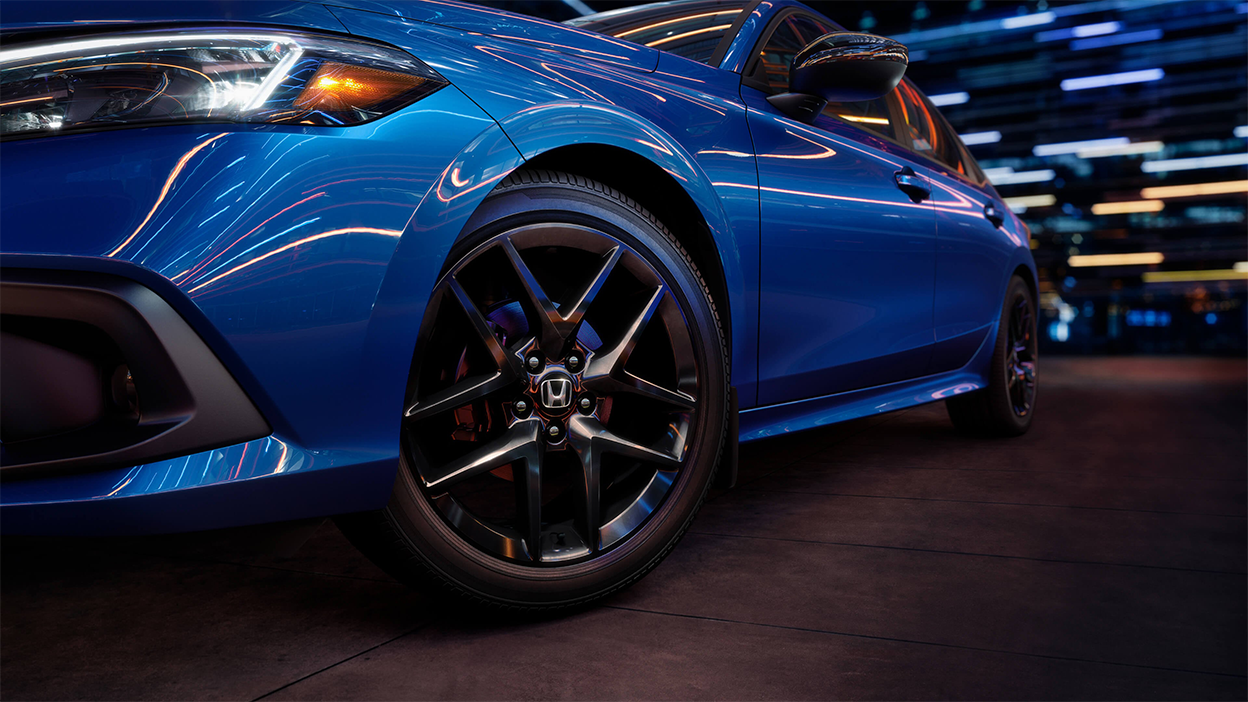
(500, 295)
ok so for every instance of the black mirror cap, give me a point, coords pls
(849, 67)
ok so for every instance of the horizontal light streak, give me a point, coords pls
(1110, 79)
(1085, 30)
(1007, 176)
(1192, 164)
(306, 240)
(1242, 132)
(1195, 276)
(976, 138)
(1032, 20)
(1020, 204)
(1169, 191)
(1116, 40)
(947, 99)
(1108, 208)
(1143, 147)
(1241, 266)
(684, 18)
(1128, 259)
(1074, 147)
(674, 37)
(867, 120)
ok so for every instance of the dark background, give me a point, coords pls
(1010, 59)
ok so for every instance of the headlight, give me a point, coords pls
(221, 75)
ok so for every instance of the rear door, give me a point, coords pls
(847, 257)
(970, 256)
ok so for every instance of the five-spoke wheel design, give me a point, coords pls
(553, 395)
(1020, 365)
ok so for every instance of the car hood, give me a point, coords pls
(536, 33)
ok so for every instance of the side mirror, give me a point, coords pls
(841, 67)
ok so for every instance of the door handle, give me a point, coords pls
(997, 217)
(912, 184)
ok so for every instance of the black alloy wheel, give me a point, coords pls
(567, 402)
(1021, 364)
(1008, 405)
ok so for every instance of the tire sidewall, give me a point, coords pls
(1004, 406)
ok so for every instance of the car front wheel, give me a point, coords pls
(567, 403)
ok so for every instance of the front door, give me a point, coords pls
(848, 238)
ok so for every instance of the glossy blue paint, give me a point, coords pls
(305, 256)
(848, 259)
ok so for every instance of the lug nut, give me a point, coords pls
(554, 433)
(520, 408)
(586, 404)
(534, 363)
(573, 363)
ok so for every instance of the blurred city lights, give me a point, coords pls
(1108, 208)
(1241, 132)
(1143, 147)
(1223, 188)
(1126, 259)
(975, 138)
(1032, 20)
(947, 99)
(1074, 147)
(1086, 30)
(1007, 176)
(1191, 164)
(1194, 276)
(1116, 40)
(1019, 205)
(1125, 78)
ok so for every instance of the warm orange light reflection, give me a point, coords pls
(173, 175)
(1194, 276)
(674, 37)
(1128, 259)
(685, 18)
(1108, 208)
(868, 120)
(1229, 186)
(306, 240)
(336, 86)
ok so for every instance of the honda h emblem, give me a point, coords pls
(556, 393)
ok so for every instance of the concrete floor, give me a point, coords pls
(1102, 556)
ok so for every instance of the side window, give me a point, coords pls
(929, 134)
(792, 35)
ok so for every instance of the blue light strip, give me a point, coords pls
(1117, 40)
(1126, 78)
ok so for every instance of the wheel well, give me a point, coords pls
(1025, 273)
(657, 191)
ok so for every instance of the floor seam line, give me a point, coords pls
(994, 502)
(345, 660)
(967, 553)
(980, 649)
(1019, 470)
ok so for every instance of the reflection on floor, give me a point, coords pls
(1100, 556)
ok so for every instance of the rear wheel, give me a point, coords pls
(567, 404)
(1006, 407)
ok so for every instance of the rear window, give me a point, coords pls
(692, 30)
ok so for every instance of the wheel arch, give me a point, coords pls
(636, 157)
(657, 191)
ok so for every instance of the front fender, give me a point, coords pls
(543, 128)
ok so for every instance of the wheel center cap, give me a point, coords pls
(555, 393)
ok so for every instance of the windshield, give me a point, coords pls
(689, 29)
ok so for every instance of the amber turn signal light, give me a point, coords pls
(338, 86)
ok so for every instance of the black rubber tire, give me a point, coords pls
(989, 412)
(409, 538)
